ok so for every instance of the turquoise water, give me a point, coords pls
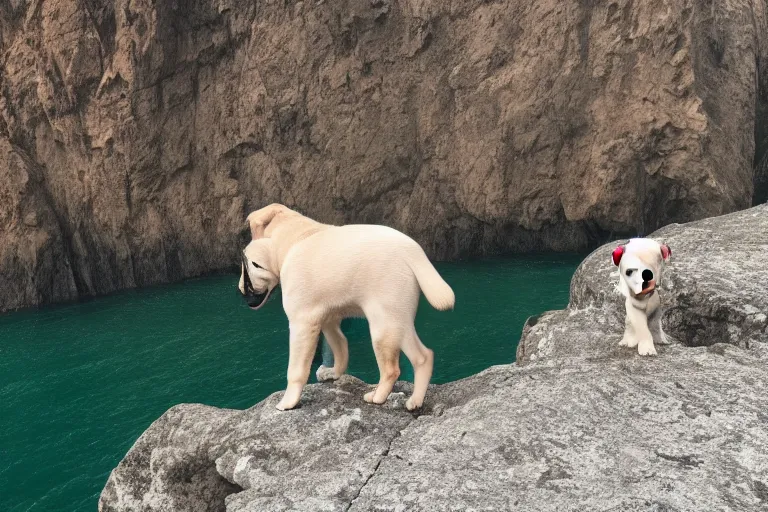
(79, 383)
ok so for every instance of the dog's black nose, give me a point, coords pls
(647, 275)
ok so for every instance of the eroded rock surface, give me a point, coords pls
(316, 458)
(136, 135)
(577, 424)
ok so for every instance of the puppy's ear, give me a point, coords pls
(260, 219)
(244, 235)
(617, 254)
(666, 252)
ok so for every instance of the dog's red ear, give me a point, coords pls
(666, 252)
(617, 254)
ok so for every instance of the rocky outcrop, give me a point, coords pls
(136, 135)
(715, 291)
(577, 424)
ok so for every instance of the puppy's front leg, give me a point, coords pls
(302, 348)
(639, 320)
(629, 339)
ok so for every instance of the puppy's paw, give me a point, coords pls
(324, 373)
(627, 341)
(368, 397)
(291, 397)
(646, 349)
(411, 404)
(286, 404)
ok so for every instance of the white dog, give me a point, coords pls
(328, 273)
(640, 263)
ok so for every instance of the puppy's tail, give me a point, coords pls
(435, 289)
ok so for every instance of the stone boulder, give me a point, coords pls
(714, 290)
(194, 457)
(576, 424)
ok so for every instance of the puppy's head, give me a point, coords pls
(257, 273)
(640, 263)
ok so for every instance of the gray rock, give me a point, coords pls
(715, 290)
(577, 424)
(316, 457)
(685, 431)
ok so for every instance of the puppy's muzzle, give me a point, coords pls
(649, 285)
(253, 298)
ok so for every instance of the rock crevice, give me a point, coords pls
(373, 473)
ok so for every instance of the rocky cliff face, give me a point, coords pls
(136, 135)
(576, 424)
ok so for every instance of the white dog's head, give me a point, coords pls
(640, 263)
(258, 276)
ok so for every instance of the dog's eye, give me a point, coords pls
(256, 264)
(629, 272)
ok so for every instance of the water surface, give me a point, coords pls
(79, 383)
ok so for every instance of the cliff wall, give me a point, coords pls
(136, 135)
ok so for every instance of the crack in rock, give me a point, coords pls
(373, 473)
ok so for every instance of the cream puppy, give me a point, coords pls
(328, 273)
(640, 263)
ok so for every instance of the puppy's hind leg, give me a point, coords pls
(386, 346)
(422, 360)
(303, 344)
(338, 343)
(657, 331)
